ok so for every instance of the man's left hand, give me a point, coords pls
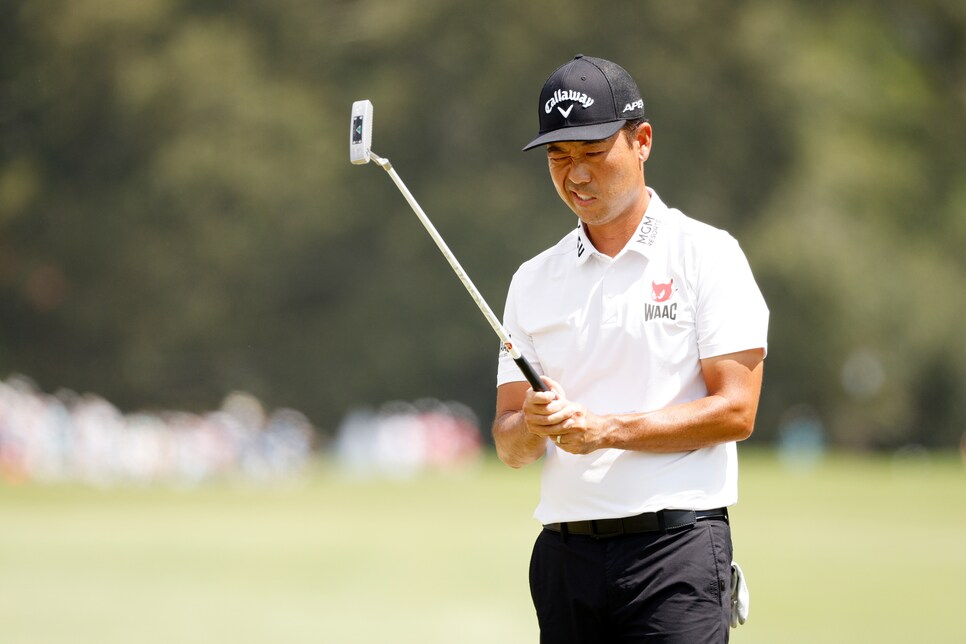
(570, 425)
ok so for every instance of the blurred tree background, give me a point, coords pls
(179, 219)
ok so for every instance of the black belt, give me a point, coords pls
(648, 522)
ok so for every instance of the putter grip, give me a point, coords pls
(532, 377)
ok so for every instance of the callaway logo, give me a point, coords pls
(562, 95)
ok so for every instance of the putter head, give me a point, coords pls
(360, 132)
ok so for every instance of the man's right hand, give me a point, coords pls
(570, 425)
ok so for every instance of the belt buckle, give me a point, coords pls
(675, 519)
(597, 533)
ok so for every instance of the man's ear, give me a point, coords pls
(645, 136)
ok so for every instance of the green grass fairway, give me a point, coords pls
(858, 550)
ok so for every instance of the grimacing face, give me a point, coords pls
(601, 181)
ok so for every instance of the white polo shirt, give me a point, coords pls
(626, 334)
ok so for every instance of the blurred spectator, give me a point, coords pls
(801, 438)
(401, 439)
(67, 437)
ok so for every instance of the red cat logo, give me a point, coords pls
(661, 292)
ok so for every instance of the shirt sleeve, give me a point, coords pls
(507, 370)
(731, 313)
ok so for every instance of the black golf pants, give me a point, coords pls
(670, 587)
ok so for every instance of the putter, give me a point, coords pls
(360, 143)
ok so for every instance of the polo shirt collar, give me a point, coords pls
(642, 242)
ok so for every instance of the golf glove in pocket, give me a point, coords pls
(739, 596)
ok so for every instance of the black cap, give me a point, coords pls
(587, 99)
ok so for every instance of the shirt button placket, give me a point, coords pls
(611, 314)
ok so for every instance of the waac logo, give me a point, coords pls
(661, 293)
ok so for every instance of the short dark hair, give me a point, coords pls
(630, 128)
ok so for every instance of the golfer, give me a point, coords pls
(650, 331)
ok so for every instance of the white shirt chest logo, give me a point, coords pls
(661, 309)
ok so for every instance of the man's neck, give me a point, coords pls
(612, 237)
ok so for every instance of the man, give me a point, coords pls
(650, 332)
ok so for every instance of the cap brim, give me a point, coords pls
(595, 132)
